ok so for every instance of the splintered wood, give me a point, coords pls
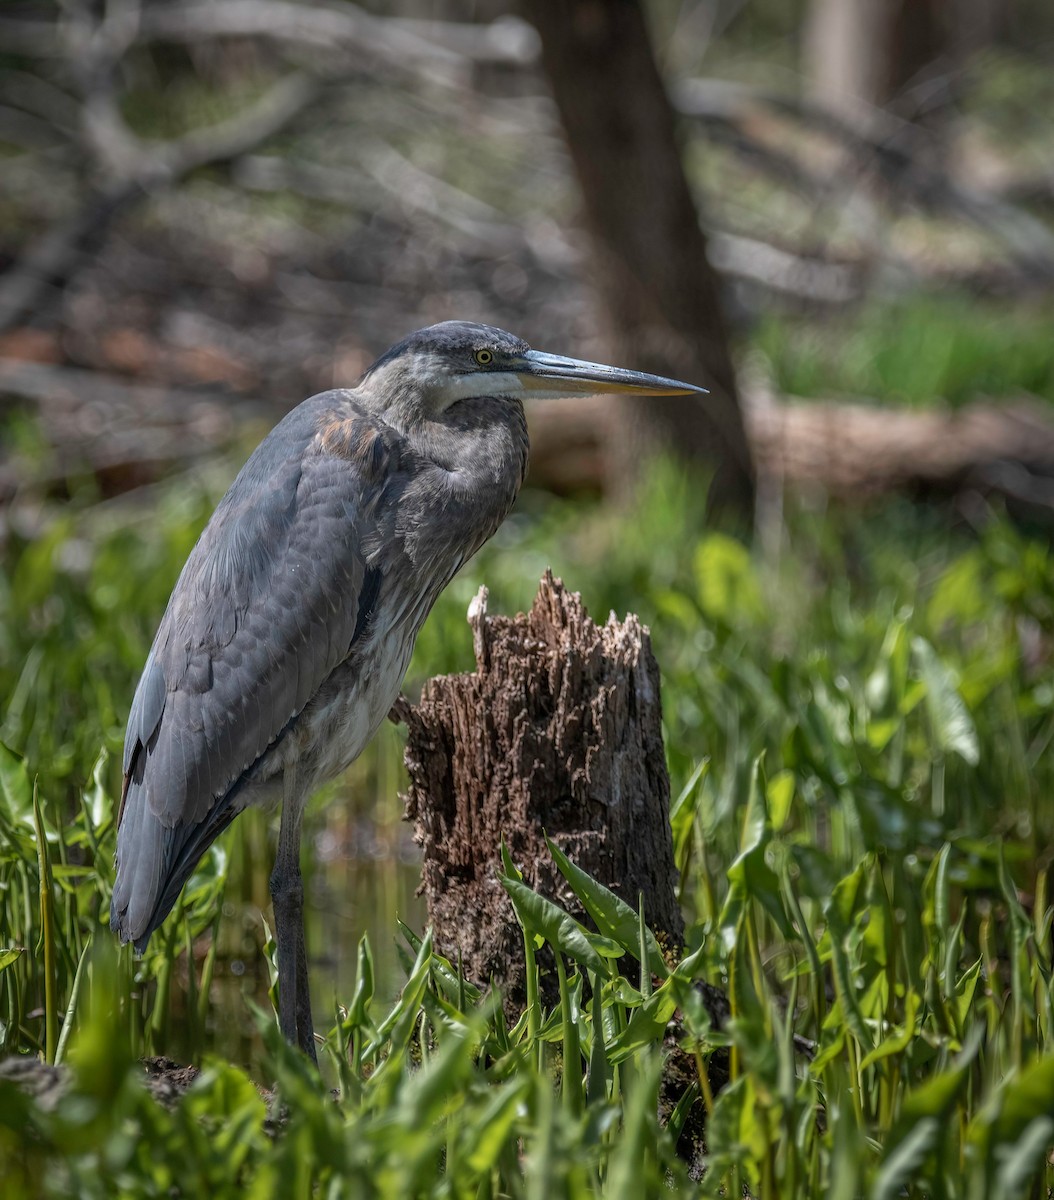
(557, 730)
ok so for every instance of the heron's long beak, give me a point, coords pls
(549, 376)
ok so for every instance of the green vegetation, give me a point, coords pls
(916, 350)
(858, 731)
(859, 710)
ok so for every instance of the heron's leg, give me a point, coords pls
(287, 895)
(305, 1026)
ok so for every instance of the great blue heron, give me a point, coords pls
(290, 628)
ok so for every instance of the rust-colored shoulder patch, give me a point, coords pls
(356, 440)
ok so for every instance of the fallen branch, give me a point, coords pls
(904, 155)
(135, 168)
(124, 433)
(388, 42)
(850, 450)
(813, 280)
(855, 450)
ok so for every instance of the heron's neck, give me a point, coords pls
(479, 466)
(480, 442)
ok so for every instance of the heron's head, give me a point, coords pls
(427, 373)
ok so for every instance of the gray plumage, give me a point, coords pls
(290, 628)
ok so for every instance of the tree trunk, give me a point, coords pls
(658, 291)
(558, 731)
(845, 54)
(863, 54)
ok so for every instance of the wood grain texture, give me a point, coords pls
(557, 730)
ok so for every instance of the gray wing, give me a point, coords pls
(269, 603)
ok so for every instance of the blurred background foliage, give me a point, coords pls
(210, 212)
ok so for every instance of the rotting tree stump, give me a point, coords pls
(557, 731)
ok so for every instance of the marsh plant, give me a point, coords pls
(858, 725)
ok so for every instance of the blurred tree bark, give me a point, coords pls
(659, 294)
(862, 54)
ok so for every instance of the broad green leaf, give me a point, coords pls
(737, 1132)
(598, 1076)
(750, 876)
(548, 920)
(839, 911)
(952, 726)
(615, 919)
(223, 1090)
(648, 1023)
(428, 1093)
(889, 676)
(937, 1095)
(832, 1045)
(726, 582)
(780, 796)
(632, 1169)
(397, 1026)
(960, 595)
(453, 984)
(881, 732)
(16, 788)
(10, 955)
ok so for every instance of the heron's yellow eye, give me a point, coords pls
(484, 357)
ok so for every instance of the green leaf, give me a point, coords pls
(548, 920)
(358, 1010)
(508, 866)
(9, 956)
(839, 911)
(598, 1077)
(881, 732)
(614, 918)
(16, 788)
(494, 1125)
(897, 1042)
(952, 726)
(960, 595)
(647, 1025)
(780, 796)
(1026, 1096)
(632, 1170)
(750, 876)
(900, 1167)
(1020, 1161)
(964, 993)
(397, 1026)
(727, 584)
(737, 1133)
(938, 1094)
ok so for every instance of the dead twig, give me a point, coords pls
(133, 168)
(903, 153)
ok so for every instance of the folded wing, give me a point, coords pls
(269, 603)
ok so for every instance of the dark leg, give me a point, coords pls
(287, 895)
(304, 1024)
